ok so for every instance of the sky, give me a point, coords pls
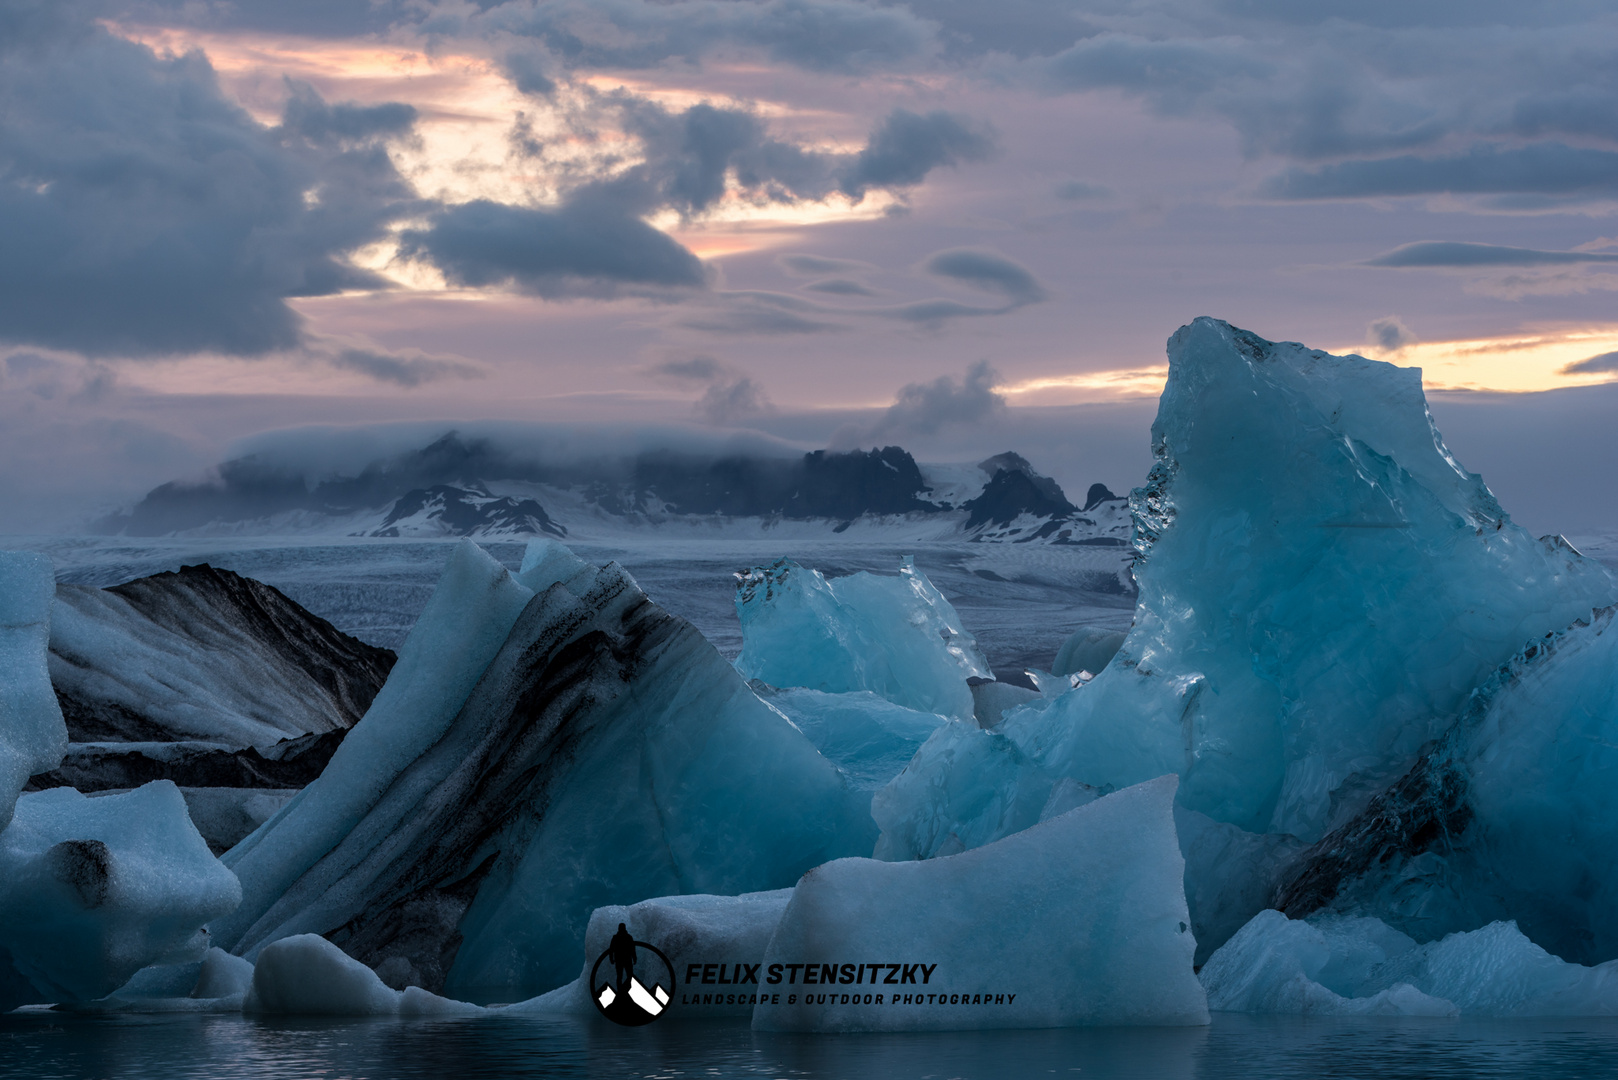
(956, 226)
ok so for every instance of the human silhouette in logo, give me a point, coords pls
(621, 951)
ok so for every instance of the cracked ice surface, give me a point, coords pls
(1322, 585)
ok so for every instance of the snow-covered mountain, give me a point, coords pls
(459, 486)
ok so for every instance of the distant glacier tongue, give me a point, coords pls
(1321, 586)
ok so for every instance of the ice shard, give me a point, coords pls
(601, 751)
(1335, 965)
(896, 637)
(1321, 587)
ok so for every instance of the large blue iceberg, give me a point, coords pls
(1321, 587)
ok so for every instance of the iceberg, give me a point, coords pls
(1511, 815)
(306, 975)
(715, 945)
(1336, 965)
(464, 624)
(896, 637)
(33, 737)
(1089, 648)
(1321, 587)
(868, 737)
(529, 762)
(94, 889)
(1079, 920)
(207, 655)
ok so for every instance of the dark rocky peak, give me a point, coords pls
(1014, 492)
(821, 484)
(1098, 494)
(471, 510)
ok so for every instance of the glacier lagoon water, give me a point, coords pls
(42, 1045)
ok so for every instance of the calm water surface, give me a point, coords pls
(48, 1046)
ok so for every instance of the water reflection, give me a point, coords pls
(48, 1046)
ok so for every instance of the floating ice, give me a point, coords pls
(1539, 764)
(868, 737)
(1276, 965)
(204, 654)
(710, 941)
(1321, 587)
(1089, 648)
(1338, 965)
(307, 975)
(1079, 920)
(463, 626)
(607, 753)
(93, 890)
(32, 735)
(894, 636)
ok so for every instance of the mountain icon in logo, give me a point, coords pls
(642, 983)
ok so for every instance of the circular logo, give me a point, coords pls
(639, 982)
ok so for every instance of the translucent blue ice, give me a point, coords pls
(894, 636)
(94, 889)
(33, 737)
(1321, 587)
(1336, 965)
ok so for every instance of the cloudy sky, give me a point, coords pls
(956, 225)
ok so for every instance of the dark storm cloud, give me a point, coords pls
(1460, 254)
(728, 396)
(408, 368)
(839, 287)
(926, 407)
(817, 35)
(989, 271)
(906, 146)
(144, 214)
(308, 116)
(923, 408)
(1539, 169)
(1606, 362)
(1078, 190)
(816, 265)
(581, 248)
(1389, 334)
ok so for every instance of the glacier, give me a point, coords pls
(546, 744)
(896, 637)
(1321, 587)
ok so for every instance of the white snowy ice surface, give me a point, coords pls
(104, 649)
(1082, 918)
(894, 636)
(1336, 965)
(33, 737)
(606, 753)
(94, 889)
(709, 940)
(306, 975)
(1322, 587)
